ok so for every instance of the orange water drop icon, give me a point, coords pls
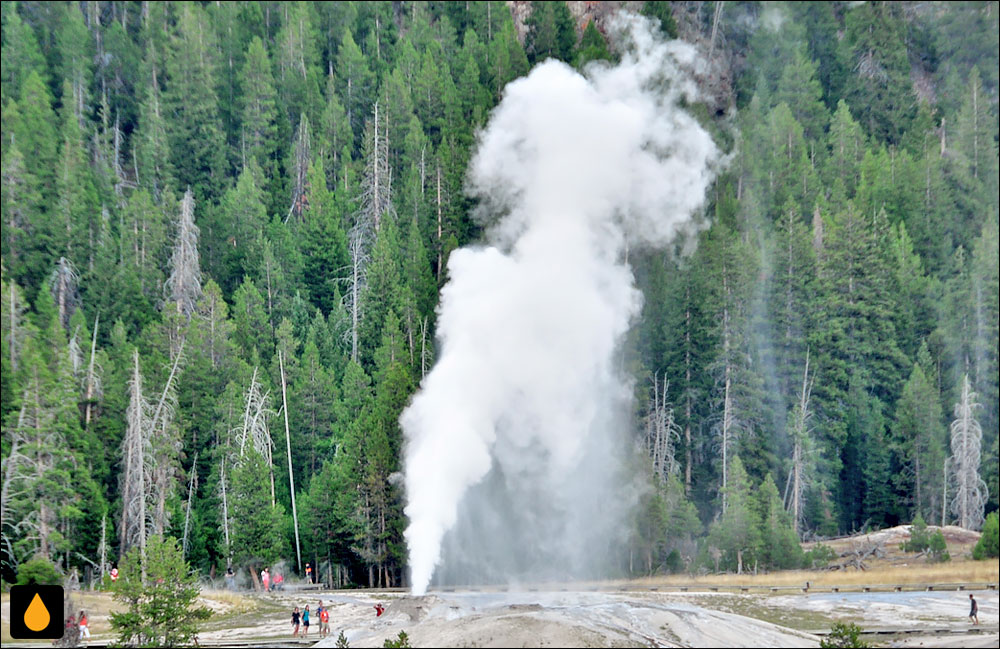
(37, 616)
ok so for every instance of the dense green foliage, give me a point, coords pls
(39, 571)
(855, 226)
(158, 592)
(988, 545)
(844, 635)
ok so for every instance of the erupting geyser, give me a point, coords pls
(515, 438)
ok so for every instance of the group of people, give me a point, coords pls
(268, 584)
(302, 619)
(77, 628)
(267, 581)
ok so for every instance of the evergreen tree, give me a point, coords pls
(660, 10)
(194, 132)
(737, 533)
(21, 55)
(880, 91)
(593, 46)
(551, 32)
(158, 591)
(257, 534)
(779, 547)
(259, 106)
(918, 442)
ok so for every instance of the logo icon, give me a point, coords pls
(36, 612)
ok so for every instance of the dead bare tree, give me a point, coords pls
(93, 388)
(797, 478)
(183, 286)
(426, 353)
(63, 282)
(135, 465)
(727, 425)
(187, 510)
(255, 426)
(149, 452)
(75, 354)
(359, 242)
(14, 486)
(662, 432)
(225, 509)
(288, 449)
(300, 170)
(376, 186)
(14, 308)
(374, 203)
(971, 492)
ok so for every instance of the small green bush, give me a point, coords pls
(672, 564)
(937, 549)
(342, 641)
(843, 636)
(988, 546)
(920, 538)
(819, 556)
(402, 640)
(39, 570)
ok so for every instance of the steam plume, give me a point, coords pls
(521, 410)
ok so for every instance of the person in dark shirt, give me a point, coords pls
(974, 611)
(295, 622)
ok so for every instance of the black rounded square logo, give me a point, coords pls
(36, 612)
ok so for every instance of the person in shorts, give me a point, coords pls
(305, 621)
(295, 621)
(974, 611)
(324, 622)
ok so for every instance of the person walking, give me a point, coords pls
(84, 625)
(974, 611)
(305, 621)
(230, 578)
(309, 573)
(324, 622)
(295, 621)
(265, 579)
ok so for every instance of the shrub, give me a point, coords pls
(342, 641)
(402, 640)
(920, 538)
(672, 563)
(987, 546)
(843, 636)
(39, 570)
(158, 594)
(819, 556)
(937, 549)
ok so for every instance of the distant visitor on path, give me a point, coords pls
(324, 622)
(230, 578)
(84, 625)
(305, 621)
(309, 573)
(974, 611)
(295, 621)
(379, 609)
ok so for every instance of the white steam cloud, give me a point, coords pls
(518, 429)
